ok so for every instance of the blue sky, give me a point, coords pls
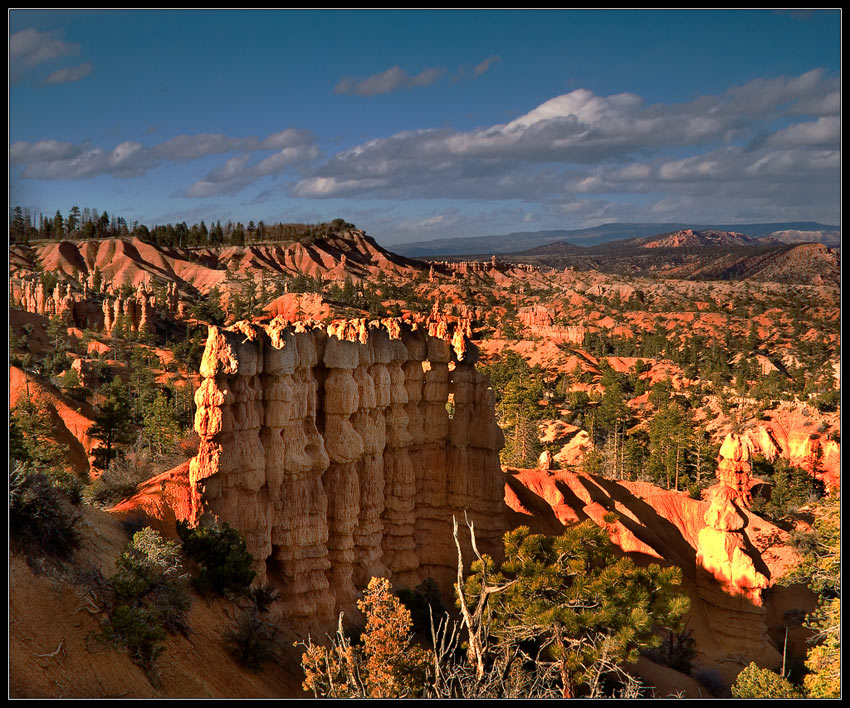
(426, 124)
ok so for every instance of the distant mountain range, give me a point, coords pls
(781, 232)
(691, 254)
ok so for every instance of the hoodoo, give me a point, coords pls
(341, 452)
(730, 575)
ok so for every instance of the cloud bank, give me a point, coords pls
(580, 143)
(57, 160)
(769, 149)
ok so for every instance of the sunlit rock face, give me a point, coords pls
(730, 574)
(342, 452)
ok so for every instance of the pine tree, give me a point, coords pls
(73, 222)
(585, 610)
(755, 682)
(112, 423)
(393, 667)
(820, 569)
(31, 437)
(159, 424)
(58, 225)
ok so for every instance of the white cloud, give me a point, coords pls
(30, 47)
(823, 131)
(393, 79)
(54, 160)
(70, 74)
(632, 148)
(239, 172)
(290, 137)
(485, 65)
(22, 152)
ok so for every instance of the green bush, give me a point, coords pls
(150, 597)
(225, 564)
(139, 629)
(251, 641)
(754, 682)
(789, 488)
(263, 597)
(42, 520)
(120, 479)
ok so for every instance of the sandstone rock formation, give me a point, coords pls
(541, 322)
(83, 308)
(342, 452)
(726, 572)
(734, 471)
(730, 574)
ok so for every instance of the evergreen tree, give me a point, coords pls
(670, 444)
(755, 682)
(112, 423)
(519, 410)
(73, 222)
(159, 424)
(571, 597)
(56, 359)
(58, 225)
(820, 569)
(32, 440)
(385, 664)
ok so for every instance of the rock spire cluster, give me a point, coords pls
(87, 309)
(341, 452)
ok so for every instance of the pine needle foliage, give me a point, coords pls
(583, 608)
(221, 553)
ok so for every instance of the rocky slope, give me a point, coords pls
(689, 238)
(730, 558)
(70, 420)
(55, 616)
(131, 262)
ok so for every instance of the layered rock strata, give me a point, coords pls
(541, 323)
(342, 452)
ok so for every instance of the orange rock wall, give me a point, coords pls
(342, 452)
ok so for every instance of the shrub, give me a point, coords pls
(789, 489)
(587, 611)
(138, 628)
(252, 642)
(225, 564)
(384, 663)
(754, 682)
(150, 597)
(121, 478)
(677, 650)
(263, 597)
(422, 602)
(42, 520)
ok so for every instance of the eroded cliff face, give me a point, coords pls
(342, 452)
